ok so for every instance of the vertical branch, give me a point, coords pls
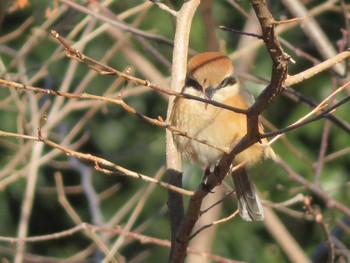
(209, 25)
(322, 153)
(28, 200)
(279, 74)
(175, 201)
(283, 237)
(279, 59)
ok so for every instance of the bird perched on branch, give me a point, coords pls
(211, 76)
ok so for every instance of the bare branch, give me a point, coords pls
(295, 79)
(314, 32)
(164, 7)
(179, 230)
(118, 24)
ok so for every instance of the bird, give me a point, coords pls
(211, 76)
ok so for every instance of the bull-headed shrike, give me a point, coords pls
(210, 75)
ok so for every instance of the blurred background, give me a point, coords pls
(137, 35)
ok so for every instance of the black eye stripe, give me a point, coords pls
(228, 81)
(190, 82)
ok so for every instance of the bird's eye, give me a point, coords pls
(190, 82)
(228, 81)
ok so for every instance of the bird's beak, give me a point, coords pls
(209, 92)
(204, 92)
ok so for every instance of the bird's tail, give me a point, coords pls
(249, 204)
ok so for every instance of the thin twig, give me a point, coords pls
(118, 24)
(297, 78)
(119, 101)
(43, 238)
(166, 243)
(98, 160)
(134, 215)
(76, 218)
(223, 220)
(314, 31)
(164, 7)
(106, 70)
(17, 32)
(319, 108)
(292, 20)
(316, 212)
(322, 152)
(241, 32)
(104, 162)
(316, 189)
(296, 199)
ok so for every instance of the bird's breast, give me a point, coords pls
(208, 123)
